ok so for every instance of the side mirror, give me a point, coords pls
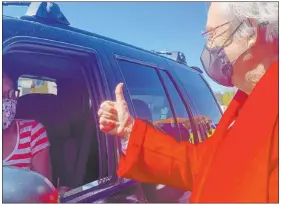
(25, 186)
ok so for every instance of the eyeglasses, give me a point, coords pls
(208, 37)
(215, 28)
(206, 33)
(11, 94)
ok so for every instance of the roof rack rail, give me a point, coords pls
(175, 55)
(16, 3)
(178, 57)
(48, 12)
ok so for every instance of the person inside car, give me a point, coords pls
(25, 142)
(239, 163)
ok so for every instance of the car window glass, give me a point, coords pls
(28, 85)
(148, 96)
(207, 113)
(180, 110)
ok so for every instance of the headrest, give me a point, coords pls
(37, 106)
(74, 97)
(142, 110)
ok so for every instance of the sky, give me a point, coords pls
(172, 26)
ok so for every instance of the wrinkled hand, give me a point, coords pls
(114, 117)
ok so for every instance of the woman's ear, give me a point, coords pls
(252, 39)
(251, 42)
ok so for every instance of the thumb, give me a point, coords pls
(119, 92)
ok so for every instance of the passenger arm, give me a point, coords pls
(40, 150)
(155, 157)
(41, 163)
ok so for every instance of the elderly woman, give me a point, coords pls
(239, 163)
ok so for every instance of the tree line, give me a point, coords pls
(225, 98)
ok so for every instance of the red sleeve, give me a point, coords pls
(274, 173)
(155, 157)
(39, 139)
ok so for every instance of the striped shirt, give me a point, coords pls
(31, 139)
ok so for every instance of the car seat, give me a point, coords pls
(142, 110)
(81, 140)
(45, 108)
(65, 120)
(37, 107)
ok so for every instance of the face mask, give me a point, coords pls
(217, 65)
(9, 112)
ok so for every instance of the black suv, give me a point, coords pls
(85, 68)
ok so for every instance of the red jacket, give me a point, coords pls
(237, 164)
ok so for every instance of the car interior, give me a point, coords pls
(67, 116)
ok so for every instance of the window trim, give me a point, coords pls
(158, 69)
(135, 61)
(148, 65)
(186, 105)
(214, 98)
(170, 102)
(23, 42)
(187, 94)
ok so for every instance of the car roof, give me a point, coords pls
(22, 27)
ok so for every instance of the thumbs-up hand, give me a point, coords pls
(114, 117)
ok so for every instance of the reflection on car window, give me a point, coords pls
(207, 113)
(28, 85)
(180, 111)
(148, 96)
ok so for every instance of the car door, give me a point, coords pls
(111, 189)
(155, 99)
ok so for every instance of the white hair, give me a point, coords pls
(264, 13)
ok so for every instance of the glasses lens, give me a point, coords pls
(17, 93)
(13, 94)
